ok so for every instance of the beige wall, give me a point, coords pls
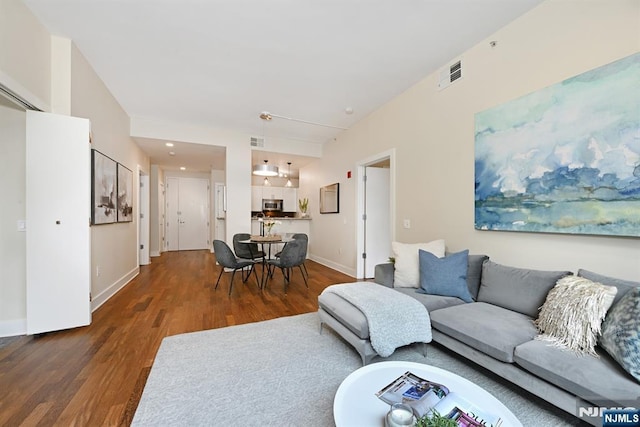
(433, 133)
(25, 53)
(114, 246)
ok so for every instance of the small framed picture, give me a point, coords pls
(103, 189)
(125, 194)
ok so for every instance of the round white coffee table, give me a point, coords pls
(356, 403)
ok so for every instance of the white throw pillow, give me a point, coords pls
(407, 268)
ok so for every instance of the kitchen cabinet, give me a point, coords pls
(289, 199)
(256, 198)
(272, 192)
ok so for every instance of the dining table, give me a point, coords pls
(268, 240)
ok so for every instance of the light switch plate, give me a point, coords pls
(22, 225)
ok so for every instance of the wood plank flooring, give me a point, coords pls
(94, 376)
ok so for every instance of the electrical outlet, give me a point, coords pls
(406, 223)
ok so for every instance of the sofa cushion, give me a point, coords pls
(592, 378)
(573, 312)
(406, 272)
(346, 313)
(488, 328)
(446, 276)
(623, 285)
(519, 289)
(432, 302)
(621, 333)
(474, 273)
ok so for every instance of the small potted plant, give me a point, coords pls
(434, 419)
(304, 205)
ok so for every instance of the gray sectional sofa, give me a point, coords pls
(497, 332)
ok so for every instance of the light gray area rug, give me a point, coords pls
(283, 372)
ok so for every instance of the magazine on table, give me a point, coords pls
(426, 397)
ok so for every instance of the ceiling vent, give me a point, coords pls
(257, 142)
(450, 74)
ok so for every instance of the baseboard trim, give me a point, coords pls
(12, 328)
(104, 296)
(154, 253)
(328, 263)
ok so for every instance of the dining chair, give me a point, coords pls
(305, 239)
(226, 259)
(292, 255)
(247, 250)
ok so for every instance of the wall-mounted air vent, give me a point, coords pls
(257, 142)
(450, 74)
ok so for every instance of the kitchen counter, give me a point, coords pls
(281, 218)
(285, 225)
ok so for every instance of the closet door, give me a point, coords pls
(58, 183)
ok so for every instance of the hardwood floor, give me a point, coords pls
(94, 376)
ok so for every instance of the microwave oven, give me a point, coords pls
(272, 205)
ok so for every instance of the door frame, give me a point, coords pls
(360, 209)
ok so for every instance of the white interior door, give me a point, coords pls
(172, 223)
(221, 211)
(162, 216)
(193, 214)
(377, 226)
(143, 223)
(58, 201)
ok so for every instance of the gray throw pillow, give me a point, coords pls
(623, 285)
(518, 289)
(474, 273)
(621, 332)
(444, 276)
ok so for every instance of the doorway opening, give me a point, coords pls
(376, 212)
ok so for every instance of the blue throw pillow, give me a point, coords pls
(444, 276)
(621, 332)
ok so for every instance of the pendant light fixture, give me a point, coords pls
(265, 169)
(289, 184)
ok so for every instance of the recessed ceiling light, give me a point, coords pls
(169, 144)
(182, 168)
(172, 153)
(348, 110)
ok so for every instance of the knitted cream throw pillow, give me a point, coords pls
(573, 312)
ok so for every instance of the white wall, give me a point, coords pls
(12, 243)
(53, 75)
(433, 133)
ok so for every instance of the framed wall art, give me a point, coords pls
(125, 194)
(103, 189)
(564, 159)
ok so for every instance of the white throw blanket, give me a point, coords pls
(394, 319)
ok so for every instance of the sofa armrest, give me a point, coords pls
(383, 274)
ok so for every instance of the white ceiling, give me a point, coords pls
(220, 63)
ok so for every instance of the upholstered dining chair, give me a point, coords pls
(303, 237)
(247, 250)
(227, 259)
(292, 255)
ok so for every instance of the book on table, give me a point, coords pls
(428, 397)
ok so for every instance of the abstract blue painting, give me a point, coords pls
(564, 159)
